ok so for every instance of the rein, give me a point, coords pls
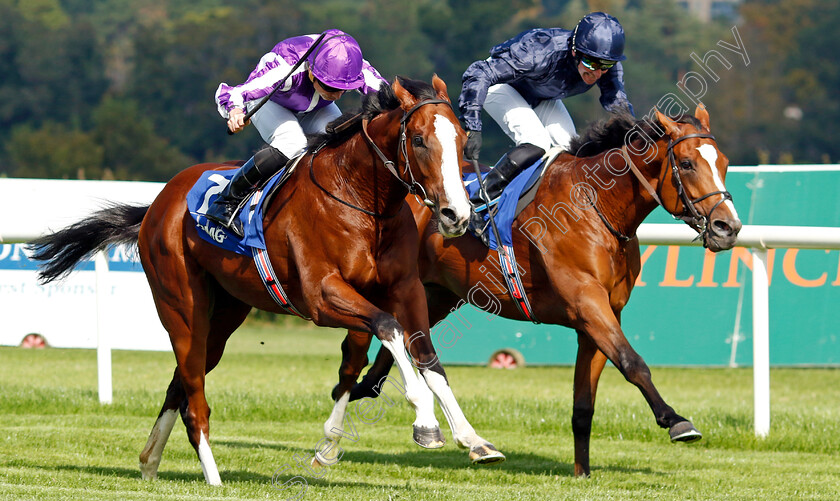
(402, 149)
(690, 215)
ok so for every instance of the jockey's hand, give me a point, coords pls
(473, 146)
(236, 120)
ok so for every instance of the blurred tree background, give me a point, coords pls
(123, 89)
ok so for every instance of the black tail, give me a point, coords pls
(61, 251)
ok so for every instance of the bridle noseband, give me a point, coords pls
(402, 149)
(690, 214)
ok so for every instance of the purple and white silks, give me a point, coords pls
(297, 94)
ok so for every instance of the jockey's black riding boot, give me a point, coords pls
(511, 164)
(258, 169)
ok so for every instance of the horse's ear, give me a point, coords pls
(440, 87)
(407, 101)
(671, 127)
(703, 115)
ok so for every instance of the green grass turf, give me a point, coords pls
(270, 397)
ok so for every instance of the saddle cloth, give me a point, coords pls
(507, 206)
(207, 188)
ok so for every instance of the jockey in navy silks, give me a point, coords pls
(304, 105)
(522, 84)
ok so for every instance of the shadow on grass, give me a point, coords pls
(134, 473)
(243, 444)
(517, 462)
(228, 476)
(449, 458)
(292, 482)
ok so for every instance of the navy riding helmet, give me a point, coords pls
(599, 35)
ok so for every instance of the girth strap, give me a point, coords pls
(266, 271)
(513, 281)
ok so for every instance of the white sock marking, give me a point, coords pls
(415, 392)
(208, 464)
(462, 430)
(157, 441)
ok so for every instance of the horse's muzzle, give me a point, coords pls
(452, 224)
(722, 234)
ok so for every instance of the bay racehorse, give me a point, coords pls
(577, 244)
(344, 246)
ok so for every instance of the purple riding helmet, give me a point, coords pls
(337, 62)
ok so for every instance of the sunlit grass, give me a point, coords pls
(270, 397)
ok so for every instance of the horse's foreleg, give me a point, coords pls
(408, 302)
(441, 302)
(602, 325)
(342, 304)
(588, 367)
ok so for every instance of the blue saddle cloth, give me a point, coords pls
(506, 202)
(202, 194)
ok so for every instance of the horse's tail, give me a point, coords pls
(61, 251)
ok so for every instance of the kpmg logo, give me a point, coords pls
(215, 232)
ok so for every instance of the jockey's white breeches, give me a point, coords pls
(286, 130)
(545, 125)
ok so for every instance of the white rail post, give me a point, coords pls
(103, 343)
(761, 342)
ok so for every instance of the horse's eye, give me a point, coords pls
(686, 164)
(417, 141)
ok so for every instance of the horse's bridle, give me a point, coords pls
(402, 149)
(690, 214)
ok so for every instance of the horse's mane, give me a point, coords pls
(611, 132)
(373, 104)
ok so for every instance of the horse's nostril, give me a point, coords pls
(724, 228)
(721, 228)
(448, 214)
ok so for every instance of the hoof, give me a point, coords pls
(148, 471)
(684, 431)
(316, 464)
(428, 438)
(485, 454)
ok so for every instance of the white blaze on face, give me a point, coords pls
(453, 187)
(709, 154)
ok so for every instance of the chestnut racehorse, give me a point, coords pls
(344, 246)
(577, 244)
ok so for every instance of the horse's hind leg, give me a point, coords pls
(151, 454)
(588, 367)
(354, 358)
(227, 316)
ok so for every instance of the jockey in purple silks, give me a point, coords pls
(305, 104)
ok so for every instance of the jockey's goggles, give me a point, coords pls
(594, 64)
(328, 89)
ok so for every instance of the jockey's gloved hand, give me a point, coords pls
(473, 146)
